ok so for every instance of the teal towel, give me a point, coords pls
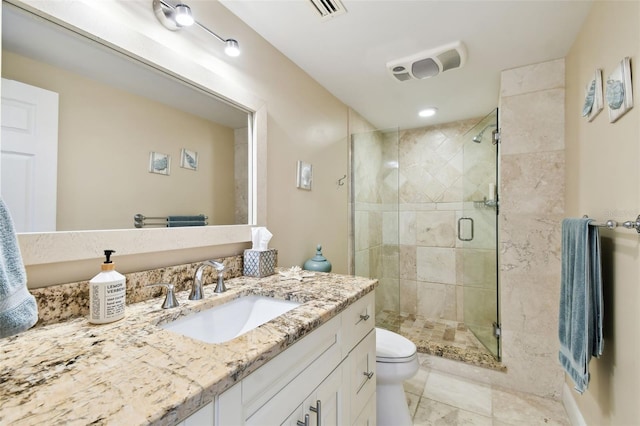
(18, 308)
(197, 218)
(581, 305)
(175, 224)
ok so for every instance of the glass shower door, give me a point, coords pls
(477, 233)
(375, 218)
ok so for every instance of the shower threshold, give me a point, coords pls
(447, 339)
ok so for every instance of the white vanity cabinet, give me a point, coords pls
(360, 352)
(327, 375)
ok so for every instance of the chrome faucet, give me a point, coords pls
(196, 288)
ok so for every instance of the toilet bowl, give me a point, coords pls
(396, 361)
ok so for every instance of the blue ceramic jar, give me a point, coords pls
(318, 262)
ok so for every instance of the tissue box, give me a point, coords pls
(260, 263)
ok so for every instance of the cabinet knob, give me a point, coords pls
(306, 421)
(364, 317)
(369, 374)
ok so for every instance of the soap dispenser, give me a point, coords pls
(107, 293)
(318, 262)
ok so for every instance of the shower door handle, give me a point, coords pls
(460, 228)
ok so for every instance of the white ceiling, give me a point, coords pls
(347, 54)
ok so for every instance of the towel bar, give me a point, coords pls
(610, 224)
(140, 220)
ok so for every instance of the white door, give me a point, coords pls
(29, 153)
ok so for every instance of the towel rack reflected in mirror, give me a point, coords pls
(610, 224)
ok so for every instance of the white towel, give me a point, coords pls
(18, 308)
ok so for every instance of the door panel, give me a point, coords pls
(29, 155)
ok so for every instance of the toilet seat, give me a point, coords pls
(393, 348)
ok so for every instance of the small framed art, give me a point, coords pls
(619, 93)
(159, 163)
(304, 175)
(189, 159)
(593, 102)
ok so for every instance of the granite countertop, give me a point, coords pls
(133, 372)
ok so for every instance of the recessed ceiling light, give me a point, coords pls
(428, 112)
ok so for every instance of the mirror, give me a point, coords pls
(132, 139)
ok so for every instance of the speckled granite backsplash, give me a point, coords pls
(66, 301)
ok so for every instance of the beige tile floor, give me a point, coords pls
(438, 398)
(439, 337)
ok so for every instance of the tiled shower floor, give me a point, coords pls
(448, 339)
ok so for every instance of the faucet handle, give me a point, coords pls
(218, 266)
(170, 300)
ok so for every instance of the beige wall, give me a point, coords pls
(602, 181)
(305, 123)
(104, 140)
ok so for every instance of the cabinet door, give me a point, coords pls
(326, 407)
(295, 417)
(361, 370)
(368, 415)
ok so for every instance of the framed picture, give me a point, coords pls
(159, 163)
(619, 93)
(304, 175)
(593, 102)
(189, 159)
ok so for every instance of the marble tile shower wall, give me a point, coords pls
(533, 185)
(435, 185)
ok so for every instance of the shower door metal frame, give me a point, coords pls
(487, 203)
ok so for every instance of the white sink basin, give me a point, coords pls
(230, 320)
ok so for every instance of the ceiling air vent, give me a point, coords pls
(429, 63)
(328, 8)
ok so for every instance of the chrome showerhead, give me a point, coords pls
(478, 138)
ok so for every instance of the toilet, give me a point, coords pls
(396, 361)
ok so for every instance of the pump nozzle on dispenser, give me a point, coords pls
(108, 254)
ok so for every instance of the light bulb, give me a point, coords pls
(231, 47)
(183, 16)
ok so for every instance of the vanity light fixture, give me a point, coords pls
(179, 16)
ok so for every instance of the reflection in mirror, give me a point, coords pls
(130, 138)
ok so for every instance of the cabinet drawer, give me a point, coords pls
(302, 389)
(305, 363)
(358, 320)
(362, 370)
